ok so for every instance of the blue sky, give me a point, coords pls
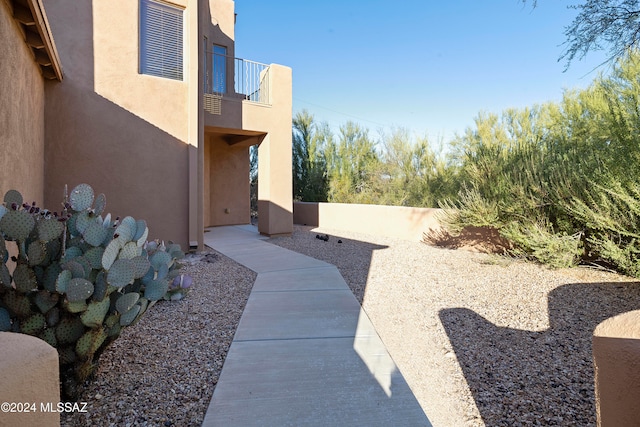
(428, 66)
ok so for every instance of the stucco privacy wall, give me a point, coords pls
(391, 221)
(21, 114)
(124, 133)
(616, 354)
(29, 368)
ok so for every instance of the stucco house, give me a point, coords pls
(145, 101)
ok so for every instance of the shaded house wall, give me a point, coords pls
(241, 124)
(22, 104)
(226, 182)
(126, 134)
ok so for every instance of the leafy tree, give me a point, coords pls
(352, 162)
(614, 24)
(310, 182)
(412, 172)
(253, 180)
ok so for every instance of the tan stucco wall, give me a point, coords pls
(275, 205)
(124, 133)
(227, 187)
(28, 373)
(391, 221)
(275, 180)
(616, 354)
(116, 77)
(221, 15)
(21, 114)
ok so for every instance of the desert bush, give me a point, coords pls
(560, 180)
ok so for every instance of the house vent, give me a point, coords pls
(213, 103)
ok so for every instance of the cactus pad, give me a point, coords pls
(33, 324)
(114, 331)
(13, 196)
(66, 354)
(111, 253)
(3, 211)
(81, 197)
(107, 221)
(156, 289)
(17, 303)
(53, 249)
(149, 276)
(49, 229)
(5, 276)
(46, 300)
(94, 256)
(53, 317)
(142, 232)
(69, 330)
(5, 320)
(71, 253)
(24, 278)
(141, 266)
(121, 273)
(89, 342)
(130, 250)
(86, 265)
(124, 232)
(49, 336)
(99, 204)
(79, 289)
(51, 276)
(17, 225)
(159, 258)
(83, 220)
(127, 318)
(71, 225)
(94, 234)
(36, 252)
(162, 272)
(76, 269)
(126, 301)
(130, 223)
(175, 251)
(75, 306)
(95, 313)
(100, 287)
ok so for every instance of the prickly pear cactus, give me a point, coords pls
(77, 278)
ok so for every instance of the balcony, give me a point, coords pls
(248, 81)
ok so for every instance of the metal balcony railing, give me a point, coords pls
(250, 79)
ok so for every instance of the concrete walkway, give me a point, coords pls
(305, 353)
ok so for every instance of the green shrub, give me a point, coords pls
(539, 242)
(561, 180)
(78, 278)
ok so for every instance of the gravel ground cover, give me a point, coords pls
(481, 339)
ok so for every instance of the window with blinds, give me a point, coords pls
(161, 28)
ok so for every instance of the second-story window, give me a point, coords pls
(161, 49)
(219, 69)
